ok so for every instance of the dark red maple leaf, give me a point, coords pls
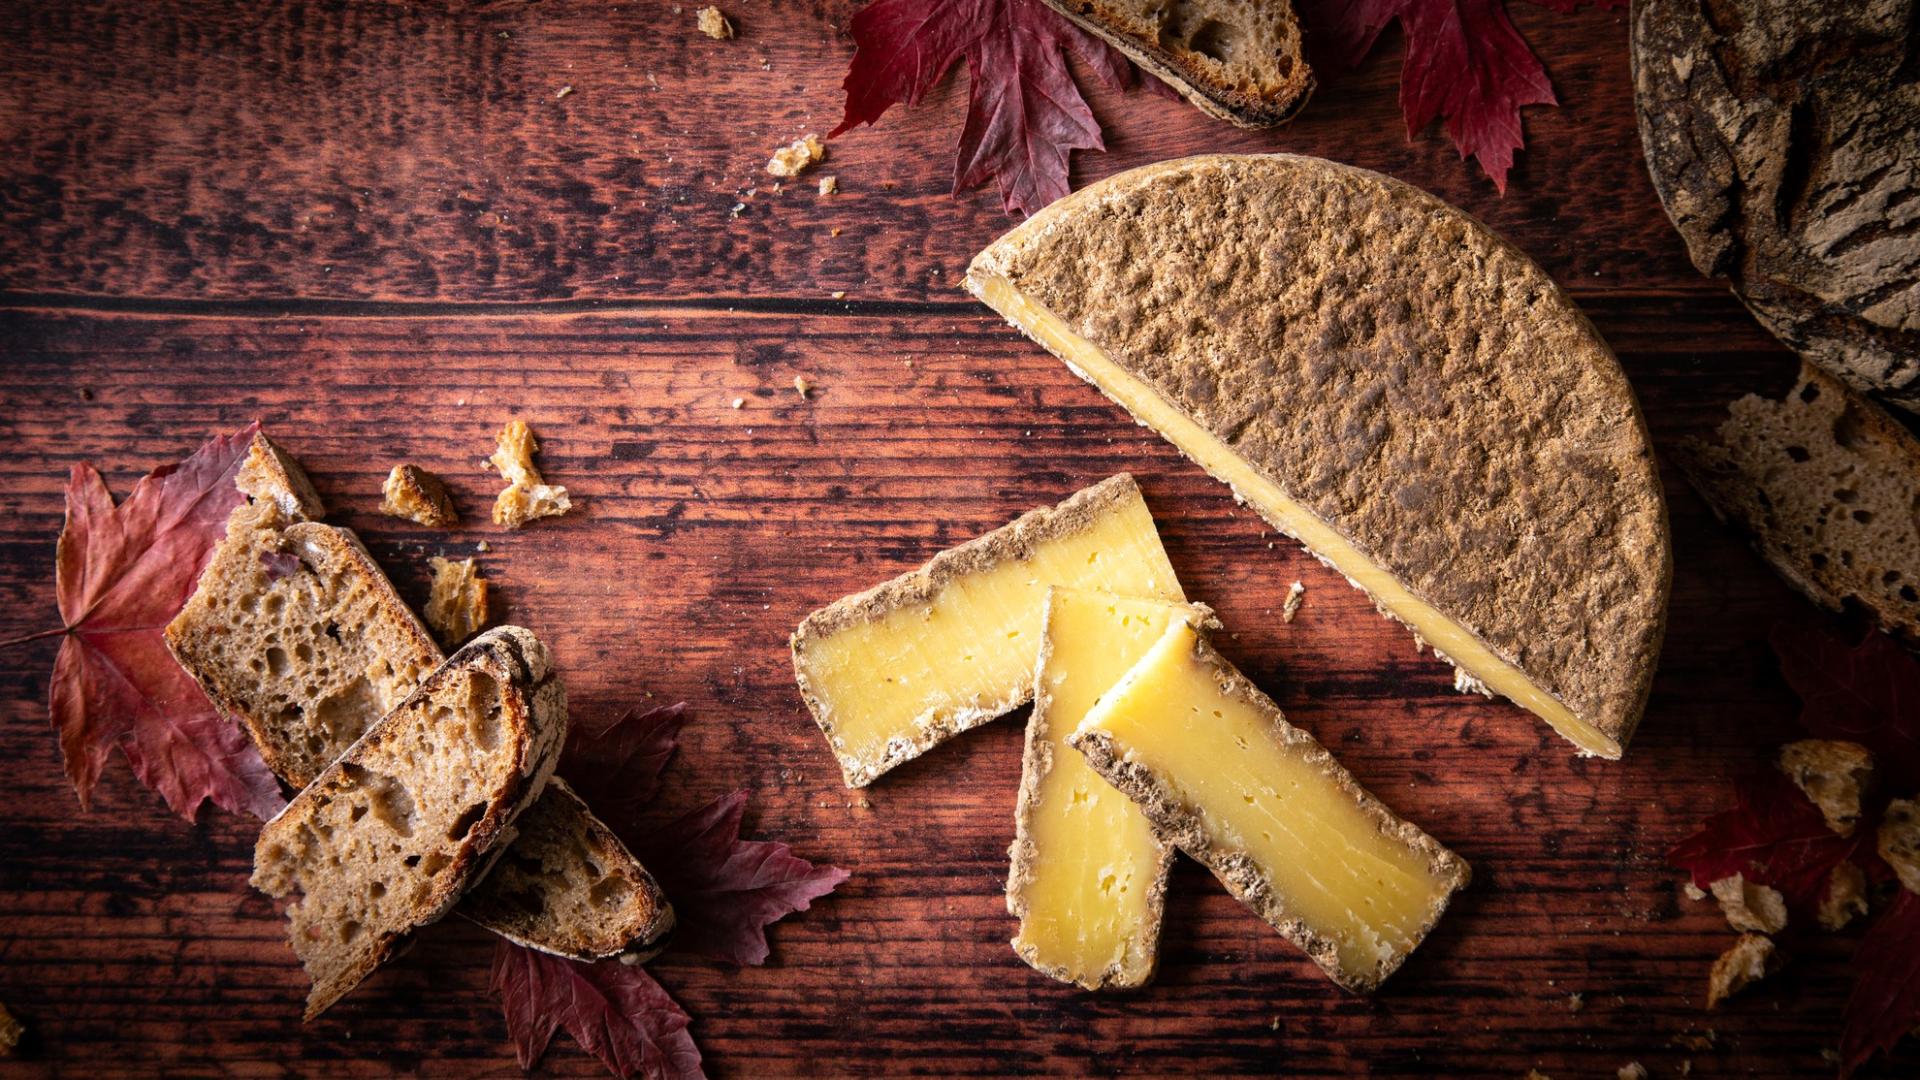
(616, 766)
(1465, 63)
(122, 573)
(725, 890)
(616, 1011)
(1885, 1004)
(1773, 835)
(1025, 114)
(1867, 693)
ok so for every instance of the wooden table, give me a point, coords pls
(383, 229)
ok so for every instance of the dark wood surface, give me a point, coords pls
(376, 227)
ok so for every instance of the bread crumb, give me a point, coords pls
(1899, 841)
(829, 185)
(1632, 1070)
(835, 231)
(714, 24)
(527, 496)
(11, 1032)
(799, 156)
(1692, 891)
(838, 294)
(564, 91)
(1576, 1001)
(1749, 907)
(1845, 897)
(801, 384)
(1746, 963)
(417, 495)
(1698, 1042)
(483, 547)
(457, 604)
(1291, 606)
(739, 402)
(1834, 774)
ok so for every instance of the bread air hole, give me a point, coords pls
(464, 824)
(345, 713)
(277, 661)
(1215, 39)
(483, 711)
(609, 892)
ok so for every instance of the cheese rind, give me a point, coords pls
(1088, 877)
(894, 671)
(1285, 828)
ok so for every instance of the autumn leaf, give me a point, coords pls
(616, 766)
(1867, 693)
(1025, 114)
(1885, 1004)
(615, 1011)
(122, 573)
(1773, 835)
(726, 890)
(1466, 64)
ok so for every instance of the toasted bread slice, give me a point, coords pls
(1241, 61)
(568, 886)
(387, 838)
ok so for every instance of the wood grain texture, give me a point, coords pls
(178, 180)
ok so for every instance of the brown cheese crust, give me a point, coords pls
(1410, 378)
(1014, 541)
(1242, 877)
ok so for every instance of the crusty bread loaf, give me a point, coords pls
(1241, 61)
(1829, 485)
(568, 886)
(295, 631)
(388, 837)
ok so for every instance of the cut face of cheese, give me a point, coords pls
(1407, 395)
(1218, 770)
(893, 671)
(1088, 877)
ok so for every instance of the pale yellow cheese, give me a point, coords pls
(1088, 875)
(1265, 807)
(1447, 637)
(888, 678)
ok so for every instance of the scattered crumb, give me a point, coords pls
(1632, 1070)
(564, 91)
(527, 496)
(457, 605)
(739, 402)
(1834, 775)
(829, 185)
(1746, 963)
(799, 156)
(1749, 907)
(1273, 1024)
(1291, 606)
(483, 547)
(835, 231)
(1845, 897)
(417, 495)
(1576, 1001)
(1900, 841)
(714, 24)
(801, 384)
(1829, 1055)
(1686, 1066)
(11, 1032)
(1692, 891)
(838, 294)
(1696, 1041)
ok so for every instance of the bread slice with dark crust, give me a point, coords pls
(1242, 61)
(568, 886)
(387, 838)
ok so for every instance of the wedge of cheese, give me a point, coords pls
(1391, 384)
(893, 671)
(1221, 773)
(1089, 878)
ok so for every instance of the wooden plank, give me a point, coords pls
(382, 151)
(704, 533)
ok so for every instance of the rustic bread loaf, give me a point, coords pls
(387, 838)
(1829, 485)
(1238, 60)
(568, 886)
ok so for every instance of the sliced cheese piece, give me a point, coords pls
(1089, 877)
(1221, 773)
(893, 671)
(1405, 394)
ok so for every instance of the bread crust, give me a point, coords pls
(1408, 377)
(1015, 540)
(1241, 876)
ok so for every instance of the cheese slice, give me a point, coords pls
(1219, 771)
(1089, 878)
(894, 671)
(1389, 383)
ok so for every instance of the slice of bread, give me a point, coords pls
(1241, 61)
(295, 630)
(568, 886)
(1829, 485)
(388, 838)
